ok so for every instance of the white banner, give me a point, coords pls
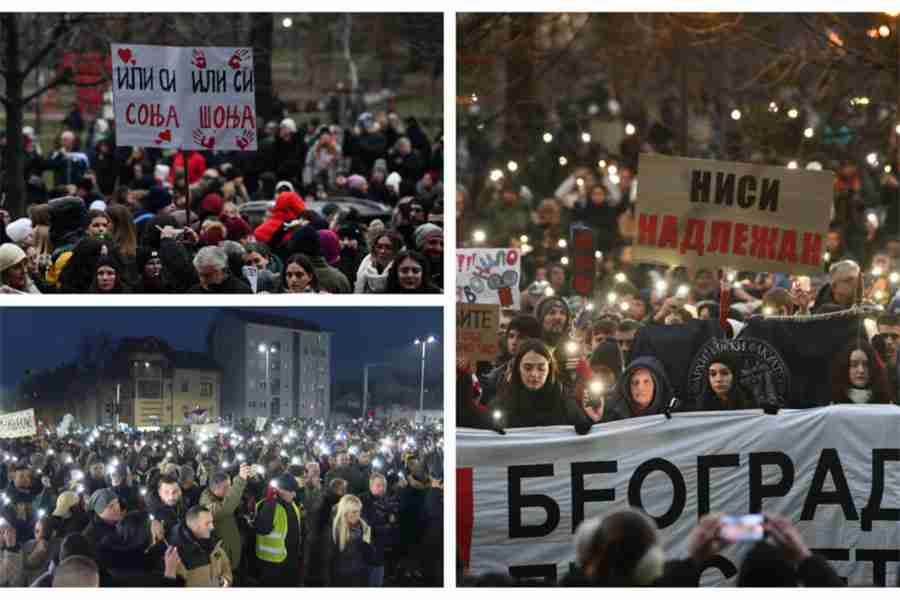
(208, 429)
(834, 471)
(488, 276)
(260, 423)
(184, 98)
(18, 424)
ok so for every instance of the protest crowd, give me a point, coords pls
(621, 339)
(316, 209)
(293, 503)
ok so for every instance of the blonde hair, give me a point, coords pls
(340, 532)
(42, 240)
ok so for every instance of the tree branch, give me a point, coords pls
(63, 26)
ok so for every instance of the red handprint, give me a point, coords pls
(235, 61)
(207, 142)
(164, 136)
(199, 59)
(246, 139)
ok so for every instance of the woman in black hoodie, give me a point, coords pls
(531, 393)
(643, 390)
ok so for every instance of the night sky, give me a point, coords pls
(42, 338)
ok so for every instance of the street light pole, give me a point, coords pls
(424, 343)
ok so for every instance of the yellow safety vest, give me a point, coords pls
(271, 546)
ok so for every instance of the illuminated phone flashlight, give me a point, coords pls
(204, 449)
(260, 470)
(377, 463)
(143, 491)
(768, 311)
(79, 488)
(661, 286)
(879, 295)
(598, 255)
(152, 518)
(77, 475)
(42, 513)
(572, 347)
(523, 239)
(225, 465)
(562, 244)
(621, 278)
(479, 236)
(894, 277)
(876, 271)
(401, 475)
(283, 454)
(549, 291)
(296, 461)
(564, 261)
(168, 455)
(274, 483)
(873, 219)
(498, 415)
(682, 291)
(110, 470)
(50, 452)
(827, 256)
(309, 433)
(611, 298)
(596, 387)
(624, 306)
(589, 307)
(241, 458)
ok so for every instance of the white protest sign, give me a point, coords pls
(18, 424)
(184, 98)
(833, 471)
(207, 429)
(488, 276)
(260, 423)
(715, 214)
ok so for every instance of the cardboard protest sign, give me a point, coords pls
(488, 276)
(184, 98)
(18, 424)
(205, 430)
(714, 214)
(476, 331)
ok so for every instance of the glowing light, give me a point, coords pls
(624, 306)
(621, 278)
(602, 164)
(879, 295)
(773, 107)
(827, 256)
(888, 168)
(586, 137)
(630, 129)
(590, 306)
(548, 137)
(736, 115)
(512, 166)
(496, 175)
(523, 239)
(661, 287)
(894, 277)
(814, 166)
(612, 170)
(563, 161)
(498, 415)
(287, 22)
(549, 291)
(598, 255)
(872, 158)
(874, 221)
(792, 164)
(596, 387)
(768, 311)
(572, 347)
(884, 31)
(611, 298)
(564, 261)
(562, 243)
(479, 236)
(793, 113)
(682, 291)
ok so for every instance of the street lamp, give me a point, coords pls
(431, 339)
(263, 349)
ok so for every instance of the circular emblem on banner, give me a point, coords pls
(763, 369)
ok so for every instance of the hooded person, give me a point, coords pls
(531, 393)
(14, 278)
(68, 222)
(429, 240)
(288, 206)
(352, 250)
(721, 389)
(108, 277)
(80, 272)
(643, 390)
(330, 245)
(204, 562)
(157, 201)
(306, 241)
(153, 277)
(555, 318)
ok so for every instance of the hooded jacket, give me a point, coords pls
(621, 406)
(288, 207)
(204, 563)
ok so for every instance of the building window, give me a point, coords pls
(276, 407)
(275, 365)
(276, 385)
(149, 389)
(262, 384)
(206, 390)
(185, 386)
(251, 404)
(276, 346)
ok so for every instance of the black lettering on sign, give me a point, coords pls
(705, 464)
(758, 491)
(135, 78)
(725, 566)
(873, 510)
(518, 501)
(581, 496)
(726, 193)
(833, 554)
(679, 489)
(829, 463)
(879, 559)
(209, 81)
(167, 80)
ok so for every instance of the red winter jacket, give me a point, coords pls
(288, 207)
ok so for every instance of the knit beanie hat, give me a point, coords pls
(98, 205)
(19, 229)
(156, 199)
(356, 182)
(306, 241)
(426, 231)
(330, 246)
(545, 305)
(237, 228)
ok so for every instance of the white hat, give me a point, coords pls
(161, 172)
(393, 181)
(284, 184)
(98, 205)
(19, 230)
(10, 255)
(289, 124)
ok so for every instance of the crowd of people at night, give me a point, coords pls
(318, 208)
(297, 502)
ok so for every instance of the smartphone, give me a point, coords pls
(744, 528)
(804, 283)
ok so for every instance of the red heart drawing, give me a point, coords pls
(125, 55)
(166, 135)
